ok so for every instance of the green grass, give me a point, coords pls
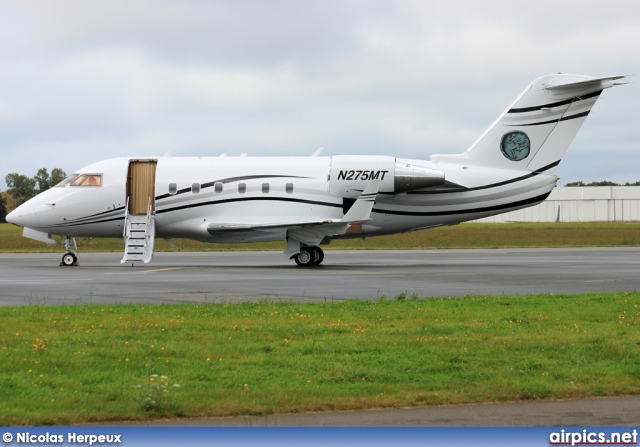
(78, 364)
(471, 235)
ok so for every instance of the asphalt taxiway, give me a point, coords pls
(27, 279)
(216, 277)
(617, 411)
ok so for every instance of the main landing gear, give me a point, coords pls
(309, 256)
(70, 258)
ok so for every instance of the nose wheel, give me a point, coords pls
(309, 256)
(70, 258)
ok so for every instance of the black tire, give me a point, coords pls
(318, 255)
(304, 258)
(69, 259)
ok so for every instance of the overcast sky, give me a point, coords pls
(83, 81)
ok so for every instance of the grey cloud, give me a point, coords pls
(82, 81)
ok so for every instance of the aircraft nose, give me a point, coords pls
(20, 217)
(13, 218)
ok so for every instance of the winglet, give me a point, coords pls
(361, 210)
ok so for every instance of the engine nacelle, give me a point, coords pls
(349, 175)
(410, 177)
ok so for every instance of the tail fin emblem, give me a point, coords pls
(515, 145)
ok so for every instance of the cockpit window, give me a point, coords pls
(68, 180)
(82, 180)
(88, 180)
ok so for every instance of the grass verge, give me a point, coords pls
(470, 235)
(78, 364)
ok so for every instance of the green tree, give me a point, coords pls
(46, 181)
(21, 187)
(42, 179)
(3, 208)
(57, 175)
(603, 183)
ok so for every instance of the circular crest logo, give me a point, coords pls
(515, 145)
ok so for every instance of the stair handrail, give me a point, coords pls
(126, 217)
(148, 225)
(149, 211)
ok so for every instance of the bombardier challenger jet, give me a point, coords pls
(310, 201)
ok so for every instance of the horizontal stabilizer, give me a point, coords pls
(578, 83)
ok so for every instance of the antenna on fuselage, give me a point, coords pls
(169, 153)
(317, 152)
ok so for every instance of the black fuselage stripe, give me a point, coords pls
(555, 104)
(504, 206)
(248, 199)
(493, 185)
(115, 210)
(311, 202)
(214, 202)
(564, 118)
(75, 224)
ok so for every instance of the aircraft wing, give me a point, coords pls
(311, 232)
(235, 227)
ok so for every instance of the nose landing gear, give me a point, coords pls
(70, 258)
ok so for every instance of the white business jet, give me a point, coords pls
(310, 201)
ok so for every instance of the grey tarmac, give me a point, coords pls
(216, 277)
(602, 412)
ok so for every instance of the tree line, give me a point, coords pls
(601, 183)
(22, 188)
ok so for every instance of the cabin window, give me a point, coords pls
(265, 188)
(88, 180)
(242, 188)
(217, 187)
(173, 188)
(195, 188)
(289, 188)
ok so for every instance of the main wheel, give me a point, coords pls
(69, 259)
(305, 258)
(318, 255)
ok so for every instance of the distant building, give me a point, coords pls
(580, 204)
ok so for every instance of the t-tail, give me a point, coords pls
(534, 133)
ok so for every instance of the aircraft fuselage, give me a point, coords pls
(308, 201)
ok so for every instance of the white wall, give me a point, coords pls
(580, 204)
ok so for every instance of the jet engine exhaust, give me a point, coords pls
(410, 177)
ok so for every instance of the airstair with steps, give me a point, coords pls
(139, 236)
